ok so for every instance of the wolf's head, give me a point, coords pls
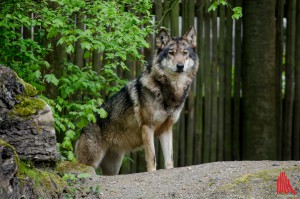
(176, 55)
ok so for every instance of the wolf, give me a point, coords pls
(146, 107)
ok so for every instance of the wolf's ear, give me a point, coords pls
(162, 39)
(191, 36)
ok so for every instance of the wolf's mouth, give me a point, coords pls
(179, 71)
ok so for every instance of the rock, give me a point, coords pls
(8, 169)
(74, 168)
(26, 121)
(21, 180)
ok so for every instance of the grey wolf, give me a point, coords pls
(146, 107)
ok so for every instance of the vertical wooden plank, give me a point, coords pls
(228, 79)
(221, 85)
(133, 163)
(296, 135)
(237, 88)
(166, 13)
(141, 163)
(190, 118)
(184, 13)
(290, 78)
(182, 120)
(158, 7)
(199, 86)
(182, 137)
(207, 82)
(279, 68)
(126, 163)
(214, 76)
(96, 61)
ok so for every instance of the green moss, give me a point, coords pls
(30, 91)
(16, 157)
(28, 106)
(73, 167)
(43, 181)
(263, 175)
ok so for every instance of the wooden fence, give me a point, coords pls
(209, 128)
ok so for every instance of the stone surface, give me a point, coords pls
(239, 179)
(8, 170)
(26, 121)
(22, 180)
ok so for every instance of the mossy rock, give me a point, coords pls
(28, 106)
(74, 168)
(16, 157)
(45, 183)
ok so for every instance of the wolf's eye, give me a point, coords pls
(172, 53)
(185, 52)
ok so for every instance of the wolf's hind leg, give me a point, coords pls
(112, 162)
(166, 142)
(89, 152)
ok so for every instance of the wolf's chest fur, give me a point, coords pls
(148, 100)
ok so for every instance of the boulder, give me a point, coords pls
(22, 180)
(26, 121)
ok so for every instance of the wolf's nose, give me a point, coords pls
(180, 67)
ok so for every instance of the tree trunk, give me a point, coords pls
(198, 136)
(214, 76)
(296, 137)
(207, 82)
(279, 68)
(236, 130)
(228, 79)
(221, 86)
(290, 82)
(259, 78)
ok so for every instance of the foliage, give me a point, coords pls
(114, 27)
(237, 11)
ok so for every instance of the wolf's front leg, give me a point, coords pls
(166, 142)
(148, 140)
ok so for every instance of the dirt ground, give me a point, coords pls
(239, 179)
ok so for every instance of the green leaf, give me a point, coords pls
(213, 7)
(223, 2)
(83, 175)
(82, 123)
(86, 54)
(58, 107)
(102, 113)
(91, 118)
(86, 45)
(71, 156)
(70, 134)
(50, 78)
(237, 13)
(70, 49)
